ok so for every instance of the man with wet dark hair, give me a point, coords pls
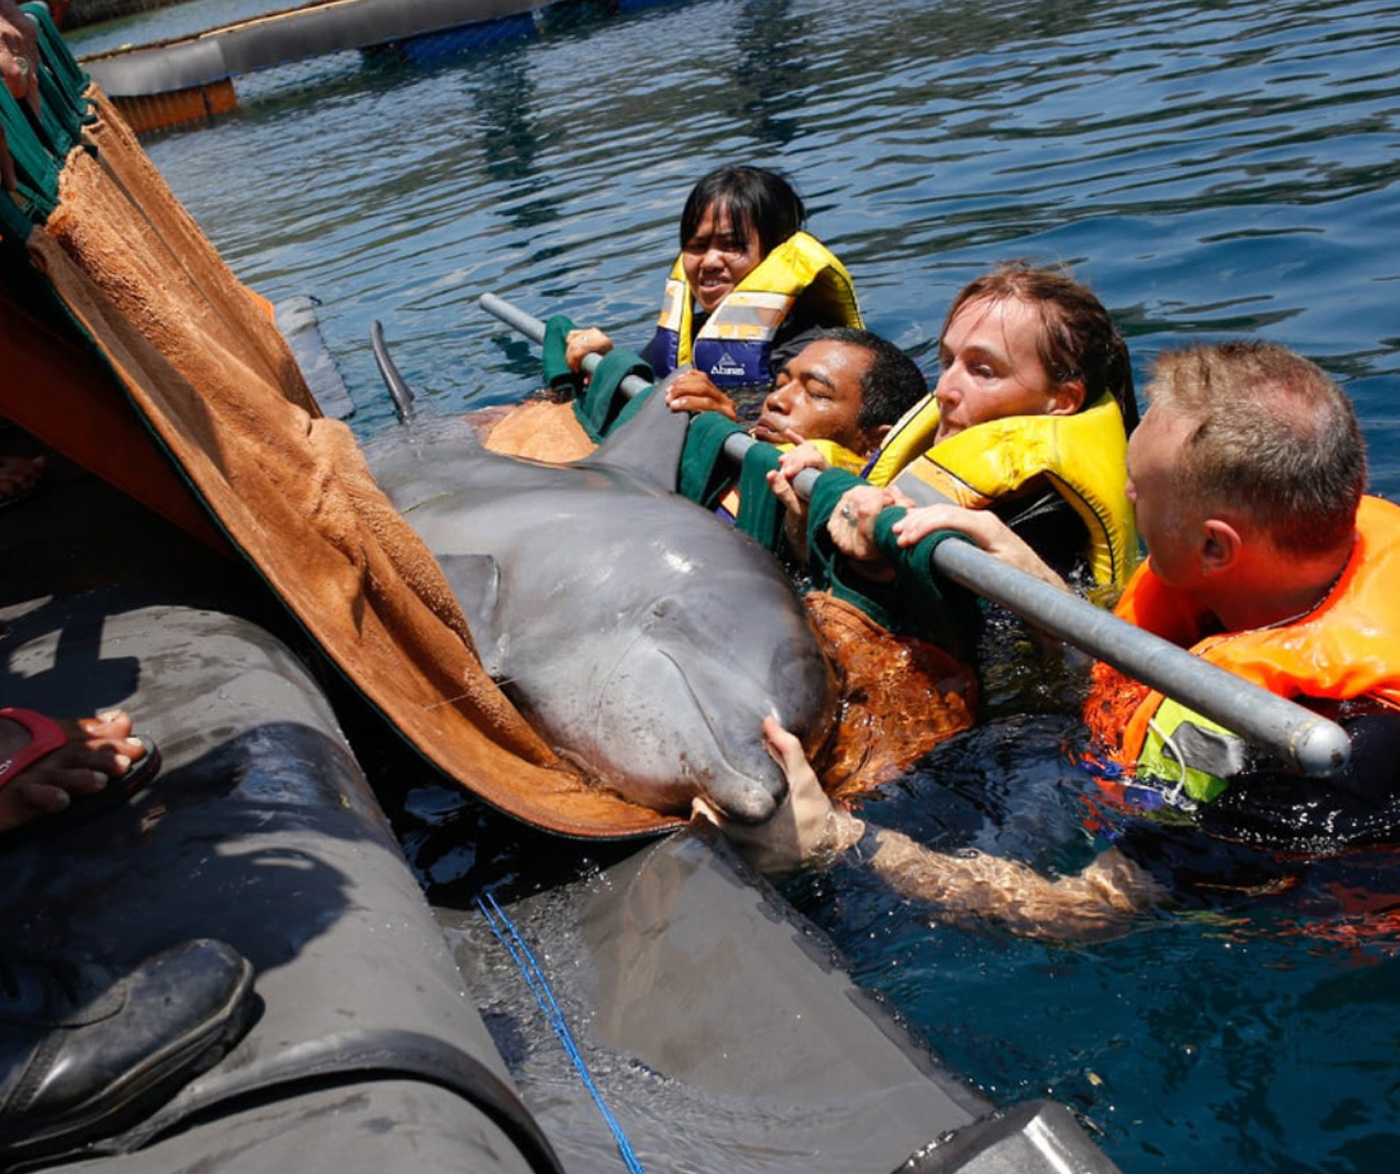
(847, 386)
(892, 384)
(843, 392)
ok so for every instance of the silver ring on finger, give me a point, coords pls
(848, 515)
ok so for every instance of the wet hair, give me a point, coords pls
(1272, 434)
(757, 200)
(890, 386)
(1078, 339)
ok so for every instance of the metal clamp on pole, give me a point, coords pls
(1314, 744)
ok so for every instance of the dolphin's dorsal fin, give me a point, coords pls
(648, 446)
(476, 581)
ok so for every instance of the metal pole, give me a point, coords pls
(1314, 744)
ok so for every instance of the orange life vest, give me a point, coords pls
(1347, 647)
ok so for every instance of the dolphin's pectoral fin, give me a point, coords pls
(476, 581)
(649, 445)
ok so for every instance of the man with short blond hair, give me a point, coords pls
(1265, 558)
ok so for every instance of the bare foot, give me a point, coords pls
(98, 749)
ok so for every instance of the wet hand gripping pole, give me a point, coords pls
(1296, 735)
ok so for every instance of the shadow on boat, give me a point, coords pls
(702, 1012)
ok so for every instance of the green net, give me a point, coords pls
(916, 600)
(39, 143)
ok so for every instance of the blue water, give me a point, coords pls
(1213, 170)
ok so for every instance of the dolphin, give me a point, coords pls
(643, 636)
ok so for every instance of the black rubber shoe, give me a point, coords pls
(85, 1054)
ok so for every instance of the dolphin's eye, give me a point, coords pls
(661, 608)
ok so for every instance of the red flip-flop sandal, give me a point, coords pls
(46, 736)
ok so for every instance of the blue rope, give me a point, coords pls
(539, 986)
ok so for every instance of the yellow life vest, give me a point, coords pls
(733, 345)
(1084, 456)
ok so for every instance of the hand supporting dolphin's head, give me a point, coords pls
(689, 713)
(807, 828)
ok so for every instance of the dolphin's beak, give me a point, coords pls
(754, 805)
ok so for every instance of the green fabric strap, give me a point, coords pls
(599, 404)
(917, 601)
(604, 406)
(557, 374)
(64, 109)
(39, 145)
(761, 514)
(705, 471)
(707, 474)
(36, 171)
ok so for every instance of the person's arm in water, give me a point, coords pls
(808, 830)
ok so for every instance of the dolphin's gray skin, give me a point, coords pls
(644, 637)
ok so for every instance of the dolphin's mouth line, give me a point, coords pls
(715, 739)
(622, 656)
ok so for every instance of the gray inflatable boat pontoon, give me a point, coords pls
(721, 1031)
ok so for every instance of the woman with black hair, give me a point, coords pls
(749, 290)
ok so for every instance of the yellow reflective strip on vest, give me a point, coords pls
(1190, 752)
(750, 317)
(763, 310)
(673, 304)
(755, 302)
